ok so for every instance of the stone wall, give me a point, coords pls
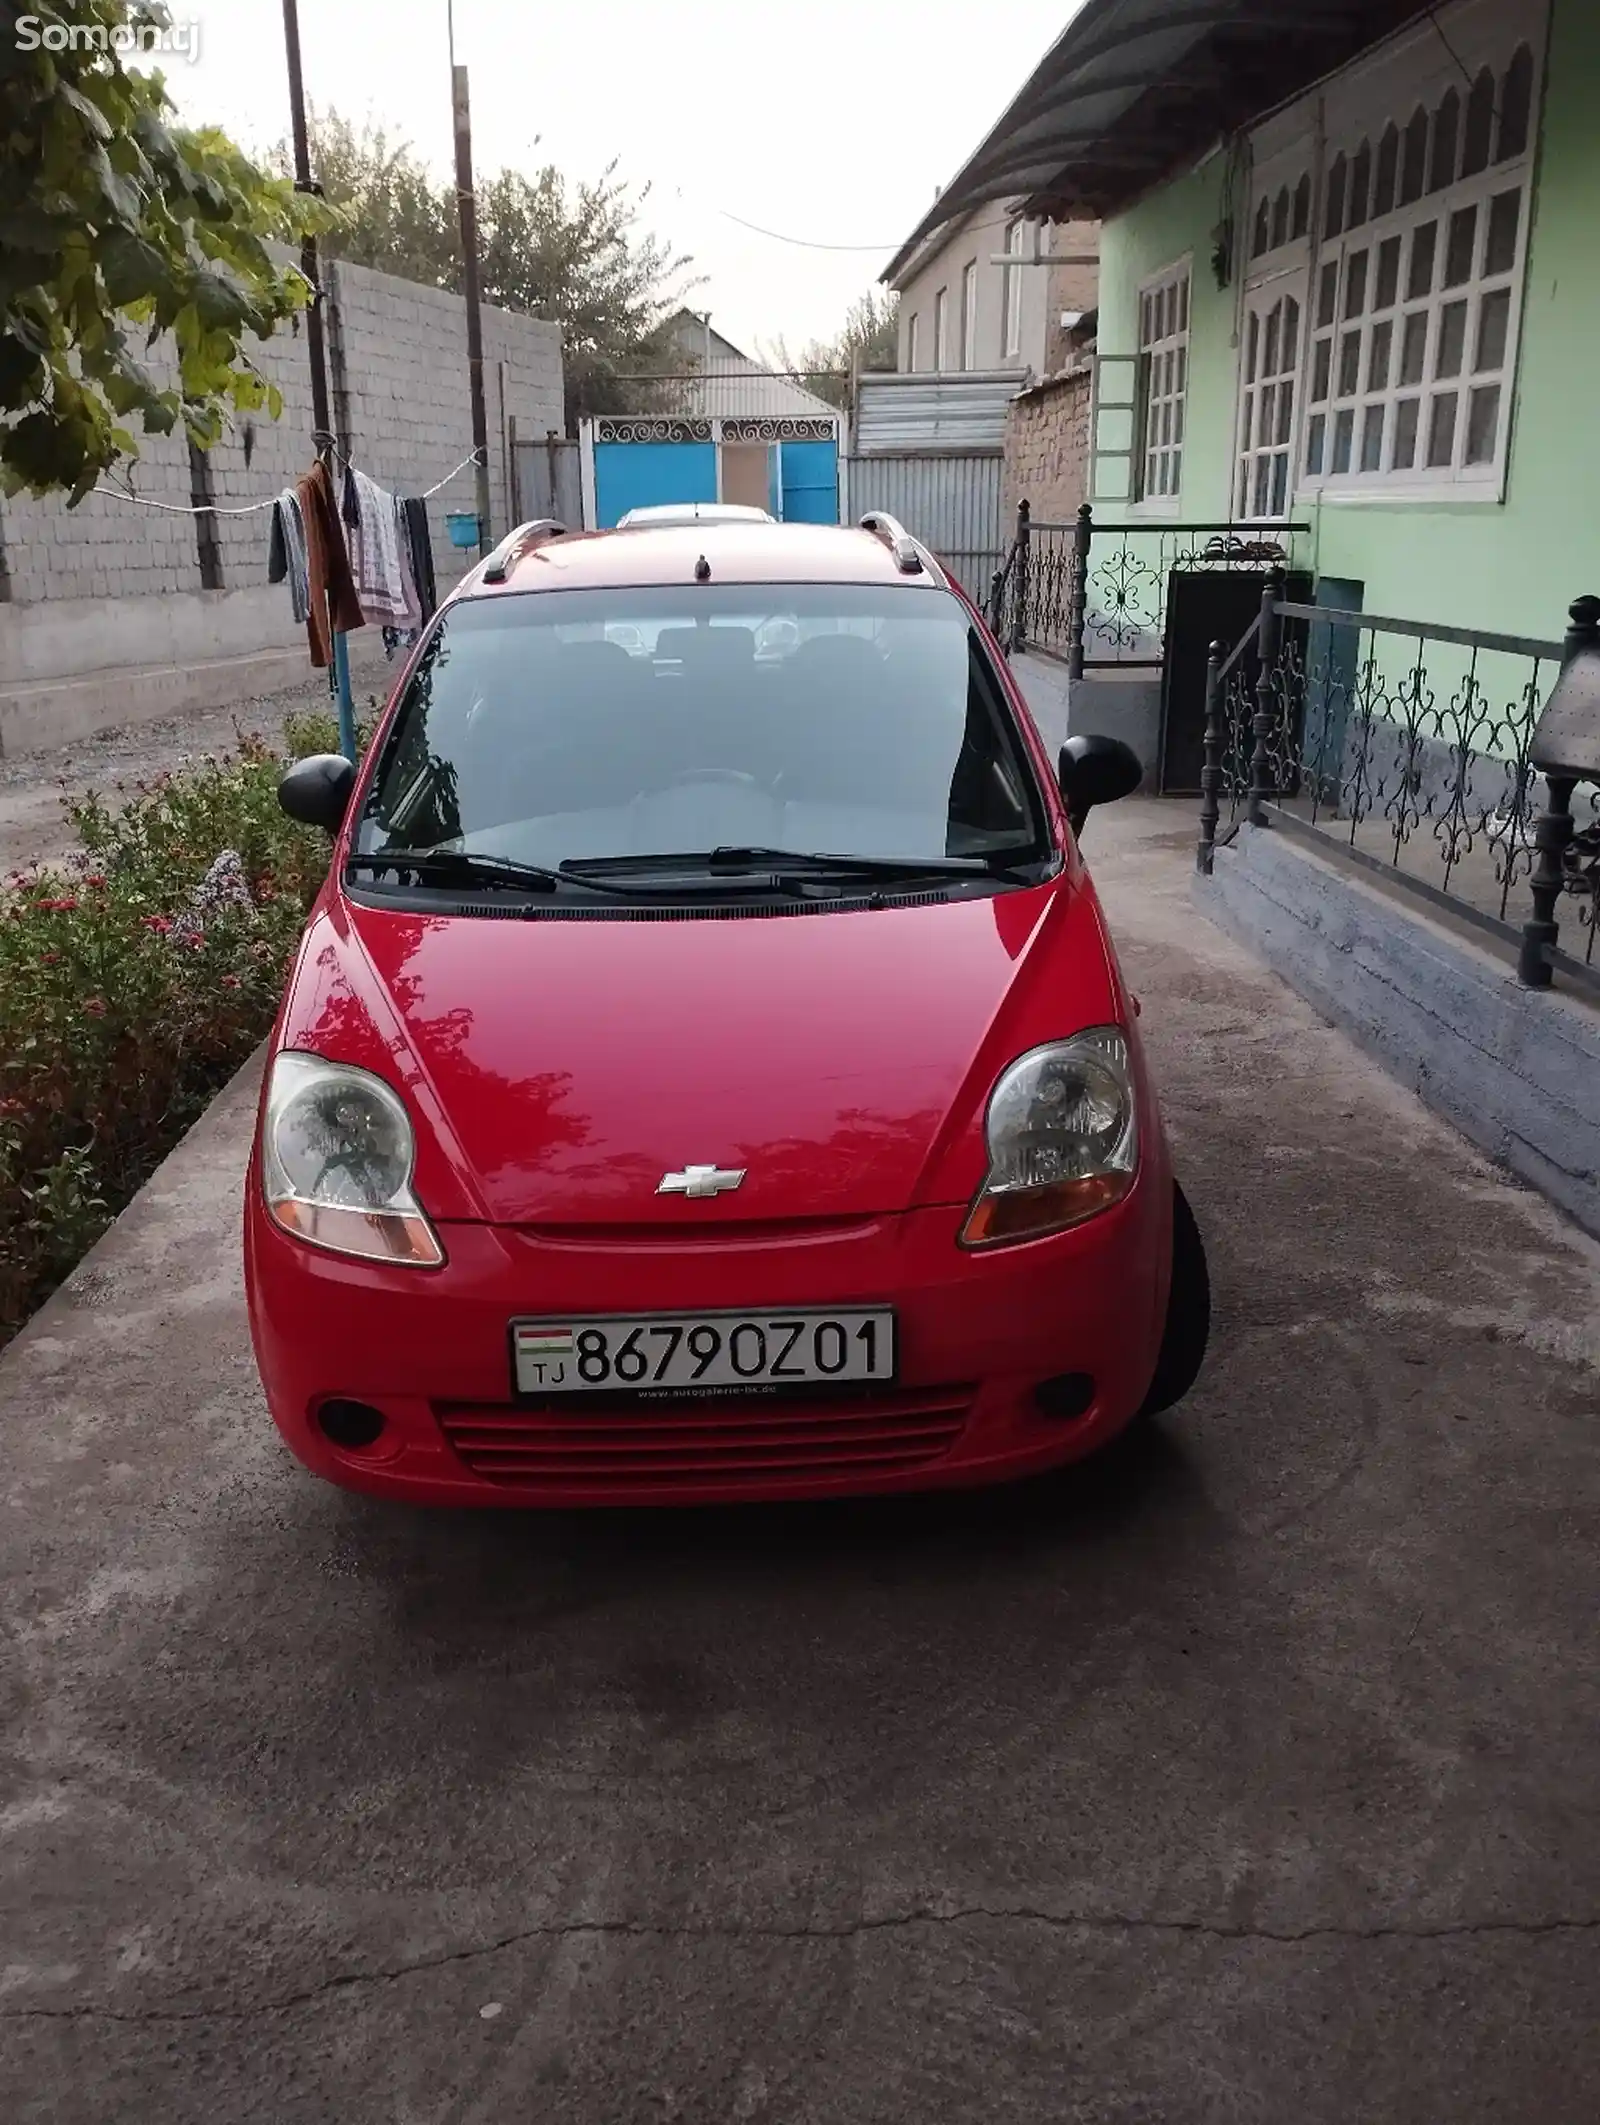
(112, 586)
(1047, 447)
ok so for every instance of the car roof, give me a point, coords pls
(695, 513)
(734, 553)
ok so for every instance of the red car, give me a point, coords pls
(706, 1074)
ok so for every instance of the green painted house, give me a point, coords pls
(1348, 280)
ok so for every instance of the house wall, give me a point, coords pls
(1047, 448)
(1512, 565)
(1046, 291)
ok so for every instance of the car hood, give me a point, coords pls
(559, 1070)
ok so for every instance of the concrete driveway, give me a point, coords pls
(1251, 1775)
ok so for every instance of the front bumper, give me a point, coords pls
(978, 1332)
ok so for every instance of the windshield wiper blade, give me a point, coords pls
(464, 867)
(459, 864)
(734, 859)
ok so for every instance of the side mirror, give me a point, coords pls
(1096, 771)
(317, 791)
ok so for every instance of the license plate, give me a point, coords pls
(702, 1353)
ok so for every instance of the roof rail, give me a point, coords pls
(515, 544)
(907, 553)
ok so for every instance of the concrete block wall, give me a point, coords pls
(109, 596)
(1047, 448)
(106, 548)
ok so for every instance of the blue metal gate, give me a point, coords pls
(633, 475)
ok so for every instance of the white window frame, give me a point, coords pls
(1161, 391)
(941, 329)
(1265, 433)
(1415, 69)
(1013, 304)
(913, 333)
(969, 315)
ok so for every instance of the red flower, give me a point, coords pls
(96, 879)
(95, 1006)
(64, 906)
(48, 959)
(230, 981)
(161, 924)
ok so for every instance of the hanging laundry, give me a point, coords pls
(419, 543)
(286, 553)
(335, 608)
(369, 515)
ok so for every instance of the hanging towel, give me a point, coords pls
(369, 514)
(419, 540)
(286, 553)
(335, 609)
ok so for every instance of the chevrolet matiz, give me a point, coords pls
(706, 1074)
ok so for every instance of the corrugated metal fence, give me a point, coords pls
(948, 499)
(951, 410)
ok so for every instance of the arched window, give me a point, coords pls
(1414, 160)
(1388, 172)
(1302, 207)
(1360, 186)
(1480, 125)
(1280, 217)
(1333, 220)
(1261, 234)
(1516, 105)
(1446, 125)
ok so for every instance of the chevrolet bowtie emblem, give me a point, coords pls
(700, 1180)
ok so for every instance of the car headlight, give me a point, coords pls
(336, 1159)
(1063, 1140)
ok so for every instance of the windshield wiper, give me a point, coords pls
(464, 867)
(458, 864)
(731, 859)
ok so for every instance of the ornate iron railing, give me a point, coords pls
(1405, 748)
(1097, 594)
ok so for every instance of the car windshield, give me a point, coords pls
(565, 726)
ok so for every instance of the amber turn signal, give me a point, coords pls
(1029, 1213)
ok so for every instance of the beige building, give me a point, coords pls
(963, 309)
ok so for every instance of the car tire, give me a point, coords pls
(1188, 1327)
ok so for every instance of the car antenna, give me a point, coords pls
(702, 570)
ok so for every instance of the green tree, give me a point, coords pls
(572, 253)
(116, 227)
(866, 340)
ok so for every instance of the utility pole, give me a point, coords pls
(467, 203)
(316, 341)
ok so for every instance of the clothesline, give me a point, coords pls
(119, 494)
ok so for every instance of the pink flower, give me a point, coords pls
(95, 1006)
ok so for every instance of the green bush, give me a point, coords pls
(134, 980)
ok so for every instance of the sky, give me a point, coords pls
(831, 121)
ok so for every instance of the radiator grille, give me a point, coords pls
(686, 1445)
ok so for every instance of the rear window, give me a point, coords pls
(569, 724)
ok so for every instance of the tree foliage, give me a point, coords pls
(572, 253)
(866, 340)
(117, 227)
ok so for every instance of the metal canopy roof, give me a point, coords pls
(1133, 89)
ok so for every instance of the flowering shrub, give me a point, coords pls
(134, 980)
